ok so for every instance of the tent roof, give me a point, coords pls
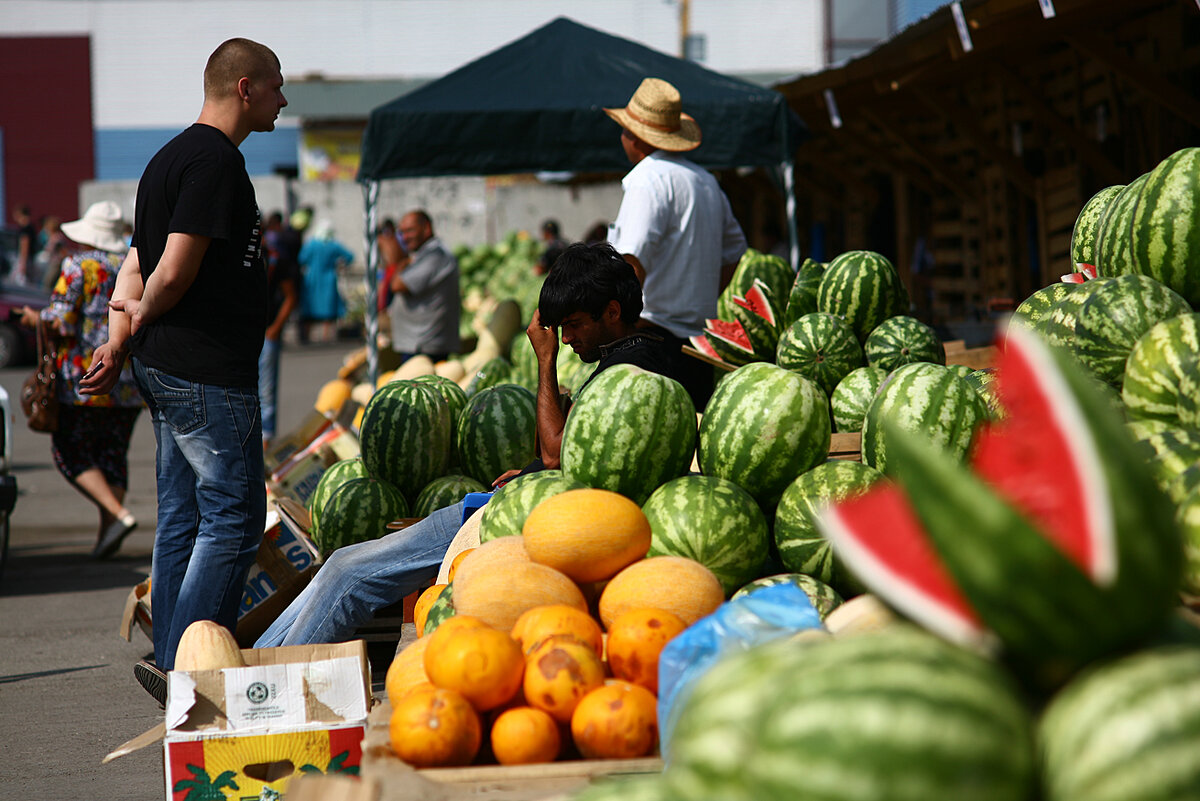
(536, 104)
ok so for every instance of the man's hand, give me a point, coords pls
(505, 477)
(544, 339)
(102, 376)
(132, 307)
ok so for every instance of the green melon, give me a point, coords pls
(773, 271)
(504, 514)
(452, 392)
(903, 340)
(357, 511)
(823, 598)
(1058, 325)
(334, 476)
(820, 347)
(1034, 308)
(803, 299)
(1087, 225)
(494, 372)
(1164, 232)
(444, 491)
(1154, 372)
(496, 432)
(853, 395)
(440, 610)
(1114, 246)
(405, 435)
(863, 288)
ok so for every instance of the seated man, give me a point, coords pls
(593, 295)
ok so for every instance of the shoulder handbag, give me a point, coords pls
(39, 399)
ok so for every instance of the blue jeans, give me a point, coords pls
(268, 381)
(360, 579)
(212, 502)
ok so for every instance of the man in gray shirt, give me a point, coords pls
(424, 312)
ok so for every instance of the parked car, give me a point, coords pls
(18, 344)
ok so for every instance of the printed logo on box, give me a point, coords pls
(259, 584)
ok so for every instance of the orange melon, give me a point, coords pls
(435, 728)
(407, 670)
(540, 622)
(490, 557)
(674, 583)
(587, 534)
(616, 721)
(498, 597)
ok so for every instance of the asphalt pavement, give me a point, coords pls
(67, 692)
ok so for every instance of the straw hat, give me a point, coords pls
(654, 114)
(100, 227)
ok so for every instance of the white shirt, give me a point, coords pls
(677, 221)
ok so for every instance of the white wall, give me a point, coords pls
(148, 55)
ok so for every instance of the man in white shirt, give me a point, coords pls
(675, 225)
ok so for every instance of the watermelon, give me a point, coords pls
(701, 343)
(823, 597)
(984, 383)
(405, 436)
(334, 476)
(894, 714)
(444, 491)
(775, 273)
(1164, 233)
(820, 347)
(922, 398)
(1170, 454)
(801, 547)
(729, 341)
(1087, 226)
(440, 610)
(803, 298)
(504, 514)
(1058, 505)
(1114, 247)
(961, 370)
(494, 372)
(496, 432)
(903, 340)
(357, 511)
(1115, 316)
(711, 521)
(853, 395)
(863, 288)
(1141, 428)
(763, 427)
(1034, 308)
(756, 312)
(1058, 325)
(1157, 364)
(1188, 517)
(630, 432)
(452, 392)
(1128, 730)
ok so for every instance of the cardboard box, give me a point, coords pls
(287, 560)
(297, 477)
(247, 732)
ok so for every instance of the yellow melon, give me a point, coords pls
(331, 396)
(490, 556)
(415, 367)
(679, 585)
(205, 645)
(588, 534)
(499, 596)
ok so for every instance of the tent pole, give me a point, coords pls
(371, 315)
(789, 188)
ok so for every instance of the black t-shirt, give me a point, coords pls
(197, 184)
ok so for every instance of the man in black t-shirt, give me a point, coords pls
(190, 303)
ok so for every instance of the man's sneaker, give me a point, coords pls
(153, 681)
(112, 537)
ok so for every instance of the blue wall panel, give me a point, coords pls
(121, 155)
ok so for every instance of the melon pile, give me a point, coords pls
(546, 641)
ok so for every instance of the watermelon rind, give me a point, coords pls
(440, 610)
(1031, 310)
(864, 289)
(1164, 232)
(505, 512)
(820, 347)
(496, 432)
(630, 432)
(756, 312)
(1058, 325)
(1114, 245)
(763, 426)
(823, 597)
(357, 511)
(774, 272)
(853, 395)
(803, 298)
(730, 342)
(902, 340)
(1154, 372)
(334, 476)
(444, 491)
(405, 436)
(1087, 226)
(711, 521)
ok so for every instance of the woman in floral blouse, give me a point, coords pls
(91, 445)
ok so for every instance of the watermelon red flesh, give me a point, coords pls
(729, 340)
(1047, 471)
(758, 301)
(702, 344)
(880, 535)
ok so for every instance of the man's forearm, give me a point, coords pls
(128, 286)
(550, 418)
(173, 275)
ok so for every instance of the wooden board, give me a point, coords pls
(847, 446)
(718, 363)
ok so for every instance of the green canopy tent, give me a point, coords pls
(537, 104)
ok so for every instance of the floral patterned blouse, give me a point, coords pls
(78, 316)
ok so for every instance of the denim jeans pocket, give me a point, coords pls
(180, 402)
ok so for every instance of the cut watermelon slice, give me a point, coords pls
(758, 301)
(879, 536)
(757, 315)
(729, 340)
(1042, 459)
(702, 344)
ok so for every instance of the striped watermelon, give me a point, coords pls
(451, 391)
(440, 610)
(1114, 246)
(1170, 454)
(504, 515)
(1164, 232)
(1128, 730)
(1142, 428)
(853, 395)
(773, 271)
(823, 597)
(1087, 226)
(629, 432)
(711, 521)
(802, 548)
(895, 714)
(1058, 325)
(444, 491)
(763, 427)
(1155, 370)
(730, 342)
(1115, 316)
(820, 347)
(1034, 308)
(405, 436)
(494, 372)
(1188, 517)
(921, 398)
(903, 340)
(960, 370)
(803, 299)
(756, 312)
(1059, 505)
(863, 288)
(984, 383)
(357, 511)
(334, 476)
(496, 432)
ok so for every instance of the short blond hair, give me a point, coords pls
(233, 60)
